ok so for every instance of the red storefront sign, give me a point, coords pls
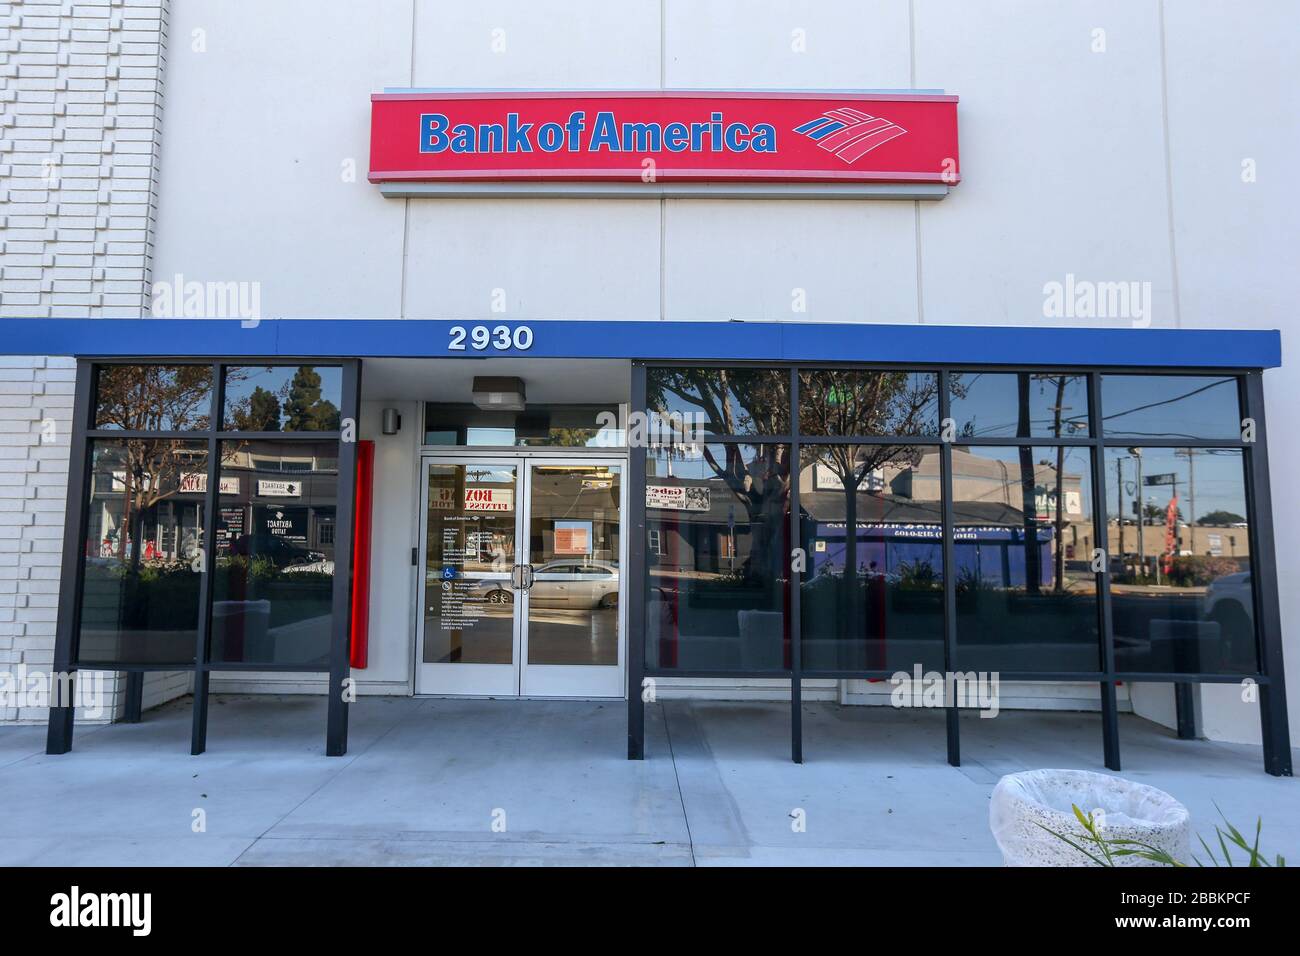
(652, 136)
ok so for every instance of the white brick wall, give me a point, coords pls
(80, 120)
(35, 424)
(81, 90)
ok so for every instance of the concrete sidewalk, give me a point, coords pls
(454, 782)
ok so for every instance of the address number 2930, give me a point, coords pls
(498, 338)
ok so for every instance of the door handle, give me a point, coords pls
(528, 576)
(517, 577)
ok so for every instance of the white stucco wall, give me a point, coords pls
(1102, 139)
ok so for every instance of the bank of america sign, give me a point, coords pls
(649, 136)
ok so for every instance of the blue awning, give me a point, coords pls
(703, 341)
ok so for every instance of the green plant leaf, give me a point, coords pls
(1207, 850)
(1227, 857)
(1065, 839)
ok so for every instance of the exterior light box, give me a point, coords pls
(499, 393)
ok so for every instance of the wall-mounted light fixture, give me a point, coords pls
(392, 421)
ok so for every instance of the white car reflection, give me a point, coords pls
(559, 584)
(1229, 601)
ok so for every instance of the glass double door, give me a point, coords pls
(522, 564)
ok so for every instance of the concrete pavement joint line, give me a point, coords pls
(710, 797)
(18, 760)
(418, 854)
(534, 837)
(686, 817)
(348, 762)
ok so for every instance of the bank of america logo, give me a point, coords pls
(850, 133)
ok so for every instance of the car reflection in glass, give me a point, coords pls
(1229, 602)
(283, 555)
(559, 584)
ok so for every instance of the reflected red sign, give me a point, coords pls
(651, 136)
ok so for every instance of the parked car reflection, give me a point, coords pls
(281, 553)
(1229, 602)
(559, 584)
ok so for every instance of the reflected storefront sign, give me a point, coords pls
(230, 526)
(287, 523)
(197, 482)
(275, 488)
(677, 498)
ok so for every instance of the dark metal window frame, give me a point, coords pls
(84, 433)
(1268, 635)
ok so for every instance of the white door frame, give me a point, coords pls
(460, 679)
(586, 681)
(518, 679)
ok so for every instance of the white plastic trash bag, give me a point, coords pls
(1024, 803)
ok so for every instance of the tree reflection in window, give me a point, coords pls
(759, 478)
(282, 398)
(849, 402)
(153, 398)
(727, 401)
(144, 541)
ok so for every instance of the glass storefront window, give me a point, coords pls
(156, 398)
(851, 402)
(717, 538)
(872, 595)
(717, 562)
(1182, 600)
(273, 570)
(282, 398)
(722, 401)
(144, 531)
(1023, 543)
(1170, 406)
(1018, 405)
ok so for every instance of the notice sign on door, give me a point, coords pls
(572, 537)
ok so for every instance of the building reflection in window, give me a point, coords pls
(273, 571)
(718, 543)
(144, 531)
(1023, 551)
(1182, 598)
(872, 596)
